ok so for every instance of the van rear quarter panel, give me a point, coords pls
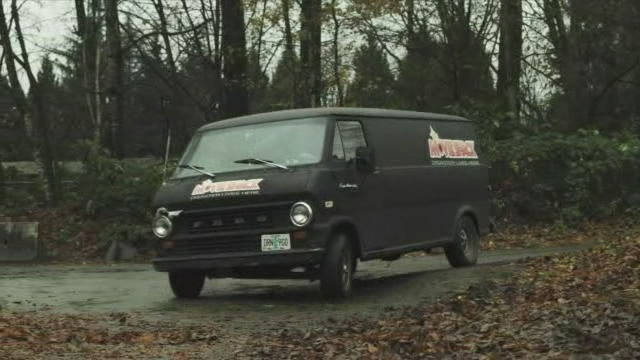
(423, 200)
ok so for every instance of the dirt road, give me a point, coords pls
(379, 287)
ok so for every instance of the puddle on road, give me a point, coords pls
(378, 288)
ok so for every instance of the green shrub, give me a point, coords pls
(584, 175)
(119, 188)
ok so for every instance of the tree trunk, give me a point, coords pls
(43, 151)
(288, 34)
(411, 27)
(88, 32)
(311, 52)
(336, 53)
(2, 184)
(290, 51)
(510, 58)
(234, 53)
(97, 93)
(81, 18)
(569, 62)
(164, 32)
(114, 80)
(217, 55)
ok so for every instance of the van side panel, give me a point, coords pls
(421, 199)
(402, 164)
(459, 183)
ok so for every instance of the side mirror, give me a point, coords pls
(364, 158)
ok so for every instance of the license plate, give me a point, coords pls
(276, 242)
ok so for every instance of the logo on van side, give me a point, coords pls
(450, 148)
(209, 188)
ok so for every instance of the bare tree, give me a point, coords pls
(164, 33)
(88, 31)
(288, 33)
(336, 53)
(234, 53)
(465, 41)
(290, 51)
(411, 21)
(311, 52)
(41, 149)
(510, 57)
(114, 80)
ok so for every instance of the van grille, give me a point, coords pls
(228, 222)
(215, 246)
(213, 230)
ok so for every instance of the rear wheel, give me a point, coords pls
(464, 250)
(336, 271)
(186, 284)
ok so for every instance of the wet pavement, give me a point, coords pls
(379, 287)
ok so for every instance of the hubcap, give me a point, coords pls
(346, 271)
(464, 239)
(468, 245)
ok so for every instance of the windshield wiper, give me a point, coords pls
(197, 168)
(256, 161)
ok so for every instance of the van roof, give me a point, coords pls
(266, 117)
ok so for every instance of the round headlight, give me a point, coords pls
(162, 227)
(301, 214)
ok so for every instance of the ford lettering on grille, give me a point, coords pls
(230, 222)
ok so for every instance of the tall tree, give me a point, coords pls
(164, 32)
(467, 64)
(336, 53)
(42, 149)
(311, 52)
(88, 30)
(281, 93)
(257, 83)
(595, 54)
(234, 53)
(510, 57)
(289, 60)
(114, 80)
(373, 80)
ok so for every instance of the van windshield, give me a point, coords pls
(289, 143)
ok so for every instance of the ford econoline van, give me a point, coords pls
(308, 193)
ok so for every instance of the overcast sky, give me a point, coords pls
(48, 23)
(45, 23)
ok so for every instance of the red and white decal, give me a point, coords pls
(450, 149)
(234, 186)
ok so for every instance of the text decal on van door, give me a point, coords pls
(208, 188)
(449, 148)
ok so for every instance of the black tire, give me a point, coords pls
(336, 271)
(464, 251)
(186, 284)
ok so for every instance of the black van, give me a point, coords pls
(307, 193)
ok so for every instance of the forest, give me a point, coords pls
(552, 86)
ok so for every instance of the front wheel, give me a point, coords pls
(336, 271)
(466, 245)
(186, 284)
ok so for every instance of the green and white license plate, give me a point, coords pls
(276, 242)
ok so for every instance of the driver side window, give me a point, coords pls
(338, 148)
(352, 137)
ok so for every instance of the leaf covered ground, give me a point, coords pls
(587, 303)
(33, 335)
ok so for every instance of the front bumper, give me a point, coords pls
(290, 258)
(309, 254)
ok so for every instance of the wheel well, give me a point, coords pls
(350, 230)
